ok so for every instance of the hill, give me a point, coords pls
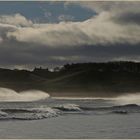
(81, 79)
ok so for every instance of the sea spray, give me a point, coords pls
(128, 99)
(8, 95)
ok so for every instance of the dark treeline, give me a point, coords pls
(80, 79)
(118, 66)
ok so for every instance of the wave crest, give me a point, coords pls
(28, 114)
(8, 95)
(68, 107)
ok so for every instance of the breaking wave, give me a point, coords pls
(121, 109)
(8, 95)
(28, 114)
(44, 112)
(68, 107)
(37, 113)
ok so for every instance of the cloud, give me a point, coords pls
(126, 11)
(115, 22)
(16, 19)
(101, 29)
(112, 34)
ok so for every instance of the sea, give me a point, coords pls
(36, 115)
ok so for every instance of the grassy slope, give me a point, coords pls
(77, 81)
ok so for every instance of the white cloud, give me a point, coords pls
(29, 43)
(16, 19)
(109, 26)
(101, 29)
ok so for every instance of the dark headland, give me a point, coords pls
(80, 79)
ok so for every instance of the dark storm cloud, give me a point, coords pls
(31, 55)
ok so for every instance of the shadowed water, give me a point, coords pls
(68, 117)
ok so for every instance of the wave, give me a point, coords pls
(2, 113)
(8, 95)
(68, 107)
(44, 112)
(28, 114)
(118, 109)
(36, 113)
(121, 109)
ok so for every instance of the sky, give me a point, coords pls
(51, 34)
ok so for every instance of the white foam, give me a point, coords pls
(8, 95)
(29, 113)
(44, 110)
(73, 107)
(3, 113)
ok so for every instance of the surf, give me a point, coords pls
(8, 95)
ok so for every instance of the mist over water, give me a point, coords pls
(131, 98)
(20, 105)
(8, 95)
(128, 99)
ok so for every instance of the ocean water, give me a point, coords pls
(48, 117)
